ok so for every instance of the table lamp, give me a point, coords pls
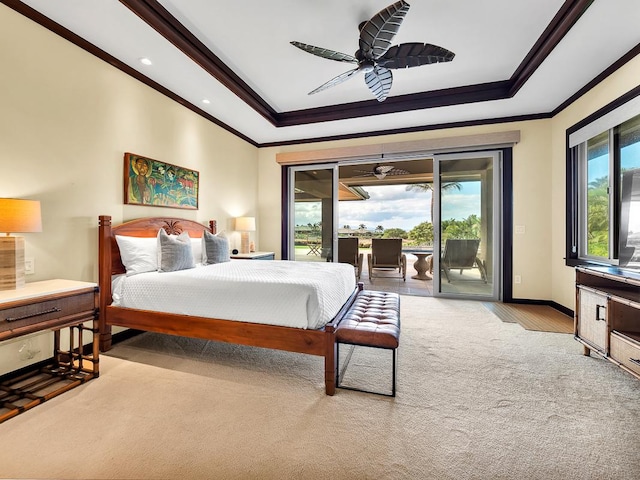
(16, 216)
(245, 225)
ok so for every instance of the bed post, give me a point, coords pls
(330, 360)
(104, 278)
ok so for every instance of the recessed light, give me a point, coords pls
(206, 101)
(146, 61)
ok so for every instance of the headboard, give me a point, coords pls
(109, 262)
(142, 227)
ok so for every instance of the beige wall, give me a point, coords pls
(66, 119)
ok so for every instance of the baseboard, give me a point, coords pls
(125, 335)
(549, 303)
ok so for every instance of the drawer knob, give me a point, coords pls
(635, 360)
(37, 314)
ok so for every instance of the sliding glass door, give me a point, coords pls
(467, 225)
(312, 213)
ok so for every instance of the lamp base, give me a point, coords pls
(11, 263)
(244, 242)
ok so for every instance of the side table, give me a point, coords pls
(255, 256)
(49, 305)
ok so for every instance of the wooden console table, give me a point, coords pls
(49, 305)
(607, 319)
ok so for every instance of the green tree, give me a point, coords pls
(468, 228)
(379, 230)
(395, 233)
(422, 234)
(598, 217)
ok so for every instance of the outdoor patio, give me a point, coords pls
(386, 281)
(465, 282)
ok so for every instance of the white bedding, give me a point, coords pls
(278, 292)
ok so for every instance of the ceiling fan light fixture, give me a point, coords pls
(375, 55)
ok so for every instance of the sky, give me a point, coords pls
(630, 158)
(392, 206)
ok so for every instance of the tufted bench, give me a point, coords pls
(372, 321)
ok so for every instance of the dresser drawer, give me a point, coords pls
(592, 319)
(625, 351)
(21, 317)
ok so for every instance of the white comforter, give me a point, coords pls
(288, 293)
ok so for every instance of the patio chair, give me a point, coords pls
(348, 253)
(461, 255)
(386, 253)
(314, 245)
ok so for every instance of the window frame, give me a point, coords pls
(622, 109)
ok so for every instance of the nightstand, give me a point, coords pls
(49, 305)
(254, 256)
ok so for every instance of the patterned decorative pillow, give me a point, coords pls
(138, 254)
(174, 252)
(215, 248)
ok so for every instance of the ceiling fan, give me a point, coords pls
(381, 171)
(376, 56)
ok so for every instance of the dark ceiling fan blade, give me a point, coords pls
(379, 81)
(376, 34)
(335, 81)
(408, 55)
(325, 53)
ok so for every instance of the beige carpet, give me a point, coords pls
(477, 399)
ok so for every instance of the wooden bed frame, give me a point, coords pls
(321, 342)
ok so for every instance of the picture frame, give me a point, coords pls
(154, 183)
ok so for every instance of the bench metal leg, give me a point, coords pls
(340, 373)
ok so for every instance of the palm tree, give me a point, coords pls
(428, 187)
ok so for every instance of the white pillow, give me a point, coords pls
(196, 249)
(138, 255)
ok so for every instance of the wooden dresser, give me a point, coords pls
(607, 319)
(50, 305)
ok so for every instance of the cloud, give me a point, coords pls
(392, 206)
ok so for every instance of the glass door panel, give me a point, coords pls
(467, 225)
(312, 215)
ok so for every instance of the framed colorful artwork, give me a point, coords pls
(159, 184)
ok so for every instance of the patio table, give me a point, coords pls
(421, 265)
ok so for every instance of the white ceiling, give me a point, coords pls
(490, 38)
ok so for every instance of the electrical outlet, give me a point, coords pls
(520, 230)
(29, 266)
(517, 279)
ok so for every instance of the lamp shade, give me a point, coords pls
(246, 224)
(20, 216)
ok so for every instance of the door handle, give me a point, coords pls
(598, 316)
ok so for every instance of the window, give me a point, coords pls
(603, 194)
(628, 135)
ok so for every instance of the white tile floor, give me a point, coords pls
(391, 281)
(467, 282)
